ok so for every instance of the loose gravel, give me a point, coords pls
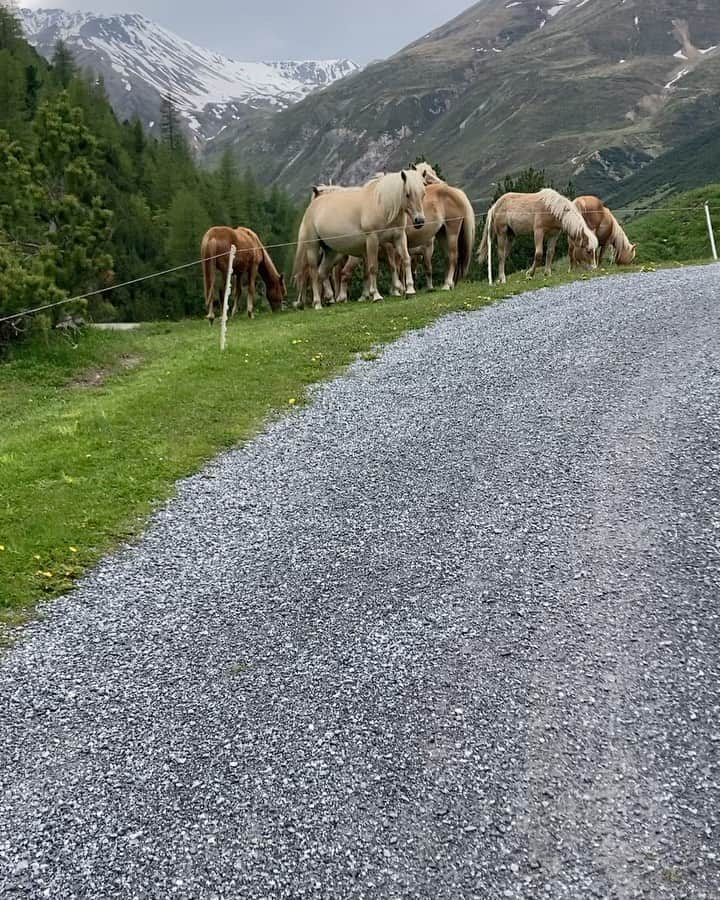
(451, 631)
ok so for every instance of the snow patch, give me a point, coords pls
(681, 74)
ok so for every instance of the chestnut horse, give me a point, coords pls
(545, 213)
(250, 258)
(603, 223)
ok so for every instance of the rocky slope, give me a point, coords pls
(588, 89)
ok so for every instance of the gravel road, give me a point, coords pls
(451, 631)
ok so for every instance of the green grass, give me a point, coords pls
(94, 436)
(678, 232)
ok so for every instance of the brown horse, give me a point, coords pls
(545, 213)
(250, 258)
(609, 233)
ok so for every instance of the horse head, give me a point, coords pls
(276, 292)
(414, 194)
(626, 256)
(428, 174)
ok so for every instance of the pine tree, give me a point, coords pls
(169, 124)
(32, 89)
(63, 65)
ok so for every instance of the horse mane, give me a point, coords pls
(570, 218)
(390, 191)
(618, 238)
(268, 270)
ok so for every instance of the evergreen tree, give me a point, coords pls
(63, 65)
(32, 89)
(169, 123)
(85, 200)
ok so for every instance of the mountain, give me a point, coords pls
(591, 90)
(140, 62)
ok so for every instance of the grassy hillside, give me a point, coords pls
(678, 232)
(690, 165)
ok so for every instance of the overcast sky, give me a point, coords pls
(287, 29)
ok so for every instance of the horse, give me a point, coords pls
(609, 233)
(250, 258)
(356, 222)
(544, 213)
(429, 175)
(449, 216)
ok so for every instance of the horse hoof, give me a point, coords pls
(447, 287)
(410, 293)
(377, 297)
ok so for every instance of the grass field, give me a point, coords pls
(95, 434)
(678, 232)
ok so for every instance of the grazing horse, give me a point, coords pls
(545, 213)
(356, 222)
(603, 223)
(250, 258)
(448, 215)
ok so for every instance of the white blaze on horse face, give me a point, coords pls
(414, 187)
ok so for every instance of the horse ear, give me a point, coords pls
(316, 192)
(404, 176)
(413, 167)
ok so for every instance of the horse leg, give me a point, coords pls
(552, 244)
(427, 262)
(452, 251)
(366, 293)
(601, 254)
(252, 275)
(538, 258)
(345, 275)
(371, 261)
(503, 246)
(397, 285)
(312, 257)
(401, 248)
(237, 293)
(326, 266)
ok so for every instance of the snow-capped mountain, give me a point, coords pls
(141, 62)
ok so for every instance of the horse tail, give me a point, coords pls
(466, 238)
(570, 218)
(483, 249)
(301, 269)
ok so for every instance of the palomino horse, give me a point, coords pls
(603, 223)
(448, 215)
(356, 222)
(545, 213)
(250, 258)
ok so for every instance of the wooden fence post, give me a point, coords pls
(711, 233)
(226, 297)
(489, 246)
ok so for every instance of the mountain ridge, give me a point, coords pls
(589, 91)
(141, 61)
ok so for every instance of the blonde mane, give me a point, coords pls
(620, 241)
(390, 191)
(570, 219)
